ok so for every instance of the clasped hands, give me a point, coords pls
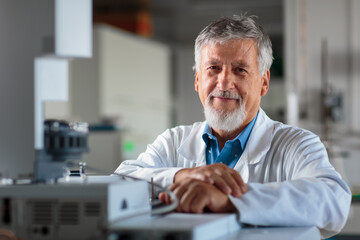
(206, 188)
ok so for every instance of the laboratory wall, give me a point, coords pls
(187, 105)
(26, 31)
(309, 25)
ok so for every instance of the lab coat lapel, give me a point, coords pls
(260, 139)
(193, 148)
(257, 146)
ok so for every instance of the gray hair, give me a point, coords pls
(232, 28)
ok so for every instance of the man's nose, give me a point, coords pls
(225, 80)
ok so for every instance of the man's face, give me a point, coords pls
(232, 66)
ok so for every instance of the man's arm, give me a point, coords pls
(303, 202)
(157, 162)
(312, 193)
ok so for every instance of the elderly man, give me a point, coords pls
(239, 160)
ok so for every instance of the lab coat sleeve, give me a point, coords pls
(313, 193)
(159, 161)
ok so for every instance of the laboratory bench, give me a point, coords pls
(276, 233)
(181, 226)
(251, 233)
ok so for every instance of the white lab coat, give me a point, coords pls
(290, 179)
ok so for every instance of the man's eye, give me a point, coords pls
(240, 70)
(213, 67)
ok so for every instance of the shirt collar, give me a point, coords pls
(242, 137)
(207, 134)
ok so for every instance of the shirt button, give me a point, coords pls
(236, 155)
(209, 151)
(210, 137)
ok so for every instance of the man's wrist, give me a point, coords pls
(179, 174)
(233, 200)
(230, 207)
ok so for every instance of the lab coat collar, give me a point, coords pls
(259, 140)
(193, 148)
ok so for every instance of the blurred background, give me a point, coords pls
(139, 81)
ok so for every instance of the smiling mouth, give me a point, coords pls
(226, 99)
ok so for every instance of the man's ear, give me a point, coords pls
(196, 83)
(265, 82)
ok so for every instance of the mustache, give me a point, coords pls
(224, 94)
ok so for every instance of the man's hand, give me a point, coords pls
(226, 179)
(195, 196)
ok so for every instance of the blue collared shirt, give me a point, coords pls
(232, 149)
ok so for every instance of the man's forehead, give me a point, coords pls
(214, 50)
(242, 42)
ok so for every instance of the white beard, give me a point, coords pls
(224, 121)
